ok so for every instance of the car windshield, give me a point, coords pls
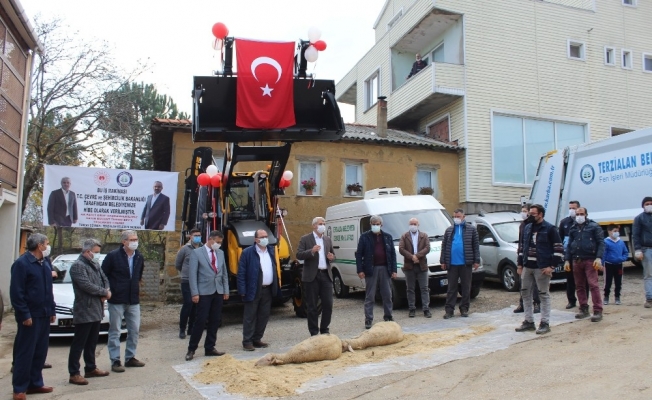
(62, 267)
(432, 222)
(508, 231)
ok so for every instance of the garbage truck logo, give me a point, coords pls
(587, 174)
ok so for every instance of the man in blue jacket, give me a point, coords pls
(642, 235)
(375, 262)
(124, 269)
(31, 296)
(258, 284)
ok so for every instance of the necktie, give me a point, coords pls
(213, 261)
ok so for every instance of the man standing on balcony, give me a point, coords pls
(418, 65)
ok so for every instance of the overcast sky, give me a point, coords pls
(176, 35)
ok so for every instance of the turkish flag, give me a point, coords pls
(265, 91)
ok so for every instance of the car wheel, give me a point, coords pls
(510, 279)
(475, 291)
(399, 295)
(340, 289)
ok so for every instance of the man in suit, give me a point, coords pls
(157, 209)
(316, 251)
(209, 287)
(62, 205)
(414, 246)
(31, 296)
(258, 284)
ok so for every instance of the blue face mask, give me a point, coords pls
(375, 228)
(263, 242)
(196, 239)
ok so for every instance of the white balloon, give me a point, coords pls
(314, 34)
(311, 53)
(211, 170)
(288, 175)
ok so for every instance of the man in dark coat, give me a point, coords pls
(258, 284)
(157, 209)
(62, 205)
(91, 288)
(418, 65)
(33, 302)
(316, 251)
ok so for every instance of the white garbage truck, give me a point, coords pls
(609, 177)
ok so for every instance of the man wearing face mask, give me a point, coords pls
(586, 248)
(642, 236)
(182, 263)
(615, 254)
(316, 251)
(375, 261)
(209, 287)
(258, 284)
(32, 299)
(414, 246)
(564, 229)
(542, 251)
(124, 269)
(91, 288)
(460, 255)
(527, 219)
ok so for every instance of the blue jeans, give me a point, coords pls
(131, 314)
(647, 272)
(188, 310)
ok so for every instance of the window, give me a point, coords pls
(647, 62)
(372, 89)
(631, 3)
(395, 19)
(576, 50)
(438, 54)
(609, 56)
(626, 59)
(353, 176)
(427, 179)
(485, 233)
(518, 144)
(440, 129)
(307, 171)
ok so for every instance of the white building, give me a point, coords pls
(508, 80)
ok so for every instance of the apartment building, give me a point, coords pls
(507, 80)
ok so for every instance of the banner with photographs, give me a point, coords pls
(109, 198)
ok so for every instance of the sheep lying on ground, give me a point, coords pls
(381, 334)
(316, 348)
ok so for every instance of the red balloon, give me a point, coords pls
(216, 180)
(320, 45)
(203, 179)
(220, 30)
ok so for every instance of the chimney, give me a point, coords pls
(381, 117)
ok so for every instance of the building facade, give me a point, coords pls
(18, 42)
(508, 80)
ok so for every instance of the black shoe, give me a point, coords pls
(367, 323)
(259, 344)
(544, 327)
(448, 315)
(213, 352)
(427, 314)
(597, 316)
(412, 313)
(190, 355)
(570, 305)
(519, 309)
(537, 308)
(325, 332)
(464, 313)
(388, 318)
(526, 326)
(584, 313)
(134, 362)
(182, 334)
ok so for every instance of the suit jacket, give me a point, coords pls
(57, 208)
(311, 261)
(201, 277)
(158, 214)
(405, 247)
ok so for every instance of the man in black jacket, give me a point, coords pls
(418, 65)
(586, 247)
(564, 229)
(124, 269)
(542, 251)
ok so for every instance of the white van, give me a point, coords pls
(345, 222)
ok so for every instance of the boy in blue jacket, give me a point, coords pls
(615, 253)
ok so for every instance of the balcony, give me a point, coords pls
(434, 87)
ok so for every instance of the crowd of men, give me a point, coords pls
(578, 243)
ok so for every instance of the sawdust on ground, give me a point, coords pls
(242, 377)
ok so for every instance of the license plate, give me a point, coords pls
(443, 282)
(66, 322)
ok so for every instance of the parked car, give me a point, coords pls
(498, 234)
(64, 298)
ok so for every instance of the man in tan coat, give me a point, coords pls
(414, 247)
